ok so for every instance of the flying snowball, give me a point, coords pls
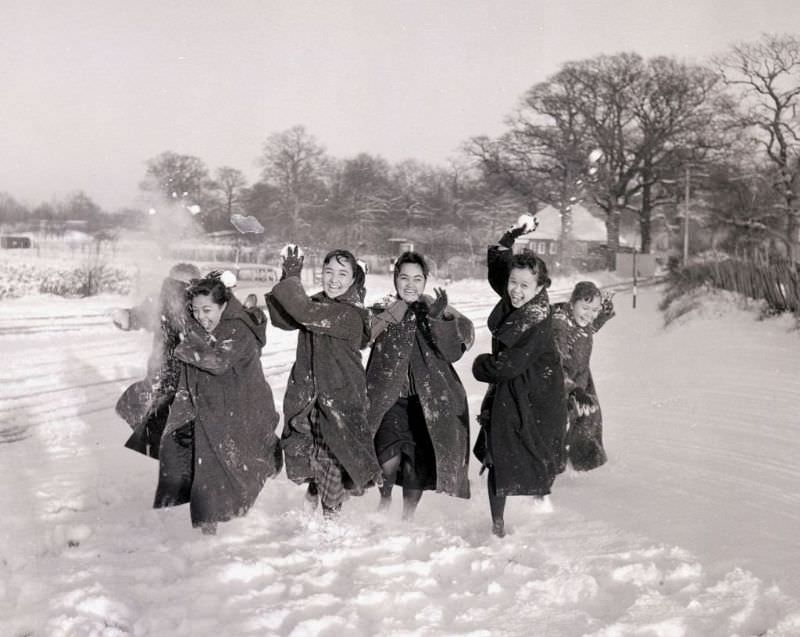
(194, 209)
(152, 211)
(595, 156)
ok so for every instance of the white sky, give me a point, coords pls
(92, 89)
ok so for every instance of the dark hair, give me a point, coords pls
(210, 285)
(411, 257)
(584, 291)
(529, 261)
(345, 256)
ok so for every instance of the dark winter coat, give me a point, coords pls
(219, 445)
(584, 438)
(427, 347)
(144, 405)
(523, 414)
(328, 374)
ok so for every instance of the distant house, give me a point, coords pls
(588, 231)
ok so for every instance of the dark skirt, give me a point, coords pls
(403, 431)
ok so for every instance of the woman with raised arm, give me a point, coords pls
(523, 415)
(575, 323)
(326, 441)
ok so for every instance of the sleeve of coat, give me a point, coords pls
(216, 357)
(279, 317)
(561, 337)
(379, 321)
(602, 319)
(452, 335)
(144, 316)
(508, 364)
(331, 319)
(498, 262)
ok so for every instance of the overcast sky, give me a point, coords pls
(92, 89)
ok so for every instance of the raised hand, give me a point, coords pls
(439, 304)
(292, 261)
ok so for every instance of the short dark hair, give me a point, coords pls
(529, 261)
(584, 291)
(411, 257)
(345, 256)
(210, 285)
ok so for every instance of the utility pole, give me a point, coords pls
(687, 194)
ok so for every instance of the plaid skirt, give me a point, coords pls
(327, 473)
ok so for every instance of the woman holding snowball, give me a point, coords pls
(219, 445)
(523, 415)
(326, 441)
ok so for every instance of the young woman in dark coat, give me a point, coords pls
(219, 445)
(326, 440)
(145, 404)
(418, 406)
(523, 414)
(575, 324)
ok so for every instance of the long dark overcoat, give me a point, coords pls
(427, 347)
(144, 405)
(584, 440)
(523, 414)
(327, 376)
(220, 445)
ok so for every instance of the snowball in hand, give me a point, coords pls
(528, 222)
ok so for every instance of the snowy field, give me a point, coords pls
(691, 529)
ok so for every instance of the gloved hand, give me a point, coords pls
(607, 303)
(292, 263)
(439, 304)
(510, 235)
(583, 402)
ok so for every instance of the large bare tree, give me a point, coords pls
(766, 77)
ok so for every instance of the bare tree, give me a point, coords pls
(293, 161)
(230, 183)
(766, 75)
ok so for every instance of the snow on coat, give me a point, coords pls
(584, 440)
(144, 405)
(328, 374)
(427, 347)
(220, 445)
(523, 414)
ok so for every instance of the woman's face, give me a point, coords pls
(522, 286)
(586, 312)
(337, 277)
(206, 312)
(410, 282)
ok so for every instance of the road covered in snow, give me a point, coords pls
(690, 529)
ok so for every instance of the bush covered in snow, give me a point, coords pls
(18, 280)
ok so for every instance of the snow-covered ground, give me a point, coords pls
(689, 530)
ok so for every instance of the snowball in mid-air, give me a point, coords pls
(194, 209)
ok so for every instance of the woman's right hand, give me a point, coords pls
(121, 318)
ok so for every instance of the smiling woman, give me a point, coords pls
(326, 440)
